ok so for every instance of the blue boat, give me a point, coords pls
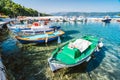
(106, 19)
(40, 38)
(40, 29)
(33, 29)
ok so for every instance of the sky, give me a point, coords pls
(51, 6)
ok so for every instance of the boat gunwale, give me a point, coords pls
(27, 39)
(91, 52)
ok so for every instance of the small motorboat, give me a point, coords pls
(106, 19)
(80, 19)
(40, 38)
(74, 52)
(34, 28)
(118, 20)
(41, 29)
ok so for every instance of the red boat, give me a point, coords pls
(118, 20)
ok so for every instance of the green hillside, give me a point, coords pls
(8, 7)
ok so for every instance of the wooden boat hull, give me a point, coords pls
(62, 59)
(36, 41)
(118, 20)
(37, 30)
(46, 39)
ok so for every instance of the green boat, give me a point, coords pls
(74, 52)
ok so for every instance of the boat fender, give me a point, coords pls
(46, 39)
(59, 40)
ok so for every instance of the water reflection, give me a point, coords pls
(10, 47)
(106, 23)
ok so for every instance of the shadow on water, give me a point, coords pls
(89, 66)
(67, 36)
(95, 62)
(4, 31)
(29, 64)
(63, 39)
(71, 32)
(105, 24)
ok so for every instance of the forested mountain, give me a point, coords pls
(87, 14)
(8, 7)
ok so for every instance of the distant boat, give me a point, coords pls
(106, 19)
(72, 18)
(80, 18)
(74, 52)
(118, 20)
(40, 38)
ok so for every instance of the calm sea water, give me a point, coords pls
(106, 64)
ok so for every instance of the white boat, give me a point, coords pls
(36, 27)
(72, 18)
(80, 18)
(106, 19)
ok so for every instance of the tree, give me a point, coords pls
(8, 7)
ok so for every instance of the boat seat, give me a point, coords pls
(71, 52)
(82, 44)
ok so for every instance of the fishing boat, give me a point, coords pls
(80, 19)
(34, 28)
(40, 38)
(106, 19)
(118, 20)
(15, 25)
(72, 19)
(41, 29)
(74, 52)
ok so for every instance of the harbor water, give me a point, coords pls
(30, 60)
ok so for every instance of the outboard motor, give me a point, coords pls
(100, 45)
